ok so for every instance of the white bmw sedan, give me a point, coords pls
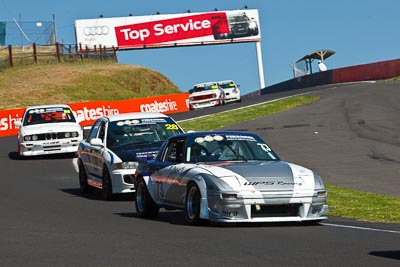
(48, 129)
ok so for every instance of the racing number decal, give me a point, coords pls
(169, 126)
(265, 147)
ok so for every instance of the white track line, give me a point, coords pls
(361, 228)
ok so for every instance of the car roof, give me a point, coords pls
(220, 132)
(205, 84)
(226, 81)
(135, 115)
(49, 106)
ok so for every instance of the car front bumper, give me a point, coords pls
(232, 98)
(48, 147)
(262, 210)
(204, 104)
(122, 181)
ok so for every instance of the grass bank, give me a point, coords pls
(79, 82)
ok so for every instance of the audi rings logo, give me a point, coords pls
(96, 30)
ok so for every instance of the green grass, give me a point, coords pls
(364, 206)
(342, 202)
(225, 118)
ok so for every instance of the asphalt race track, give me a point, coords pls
(351, 137)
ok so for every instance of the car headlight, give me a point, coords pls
(229, 181)
(320, 190)
(27, 138)
(34, 137)
(67, 135)
(75, 134)
(228, 196)
(126, 165)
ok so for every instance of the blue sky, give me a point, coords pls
(359, 32)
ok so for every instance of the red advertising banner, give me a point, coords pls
(172, 30)
(88, 112)
(169, 30)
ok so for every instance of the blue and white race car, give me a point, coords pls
(227, 176)
(109, 155)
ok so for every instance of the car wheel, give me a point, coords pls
(192, 205)
(106, 189)
(145, 205)
(84, 187)
(20, 155)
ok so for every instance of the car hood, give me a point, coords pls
(137, 153)
(262, 175)
(50, 127)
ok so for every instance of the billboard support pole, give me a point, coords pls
(260, 65)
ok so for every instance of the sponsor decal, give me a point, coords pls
(89, 114)
(174, 29)
(164, 106)
(7, 122)
(272, 183)
(96, 30)
(240, 137)
(229, 213)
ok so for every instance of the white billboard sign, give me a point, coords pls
(135, 32)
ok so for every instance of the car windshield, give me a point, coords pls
(48, 115)
(238, 18)
(200, 88)
(227, 85)
(225, 147)
(140, 131)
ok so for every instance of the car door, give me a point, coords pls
(86, 147)
(91, 152)
(97, 159)
(170, 180)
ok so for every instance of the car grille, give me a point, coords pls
(51, 136)
(284, 210)
(203, 97)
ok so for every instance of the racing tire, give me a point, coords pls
(20, 155)
(106, 185)
(145, 205)
(192, 205)
(84, 187)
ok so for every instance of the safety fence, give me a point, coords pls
(11, 56)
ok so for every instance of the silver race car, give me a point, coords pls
(227, 176)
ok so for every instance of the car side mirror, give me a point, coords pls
(96, 142)
(17, 124)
